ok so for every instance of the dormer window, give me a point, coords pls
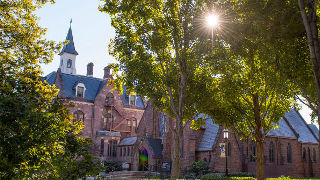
(80, 90)
(132, 100)
(69, 63)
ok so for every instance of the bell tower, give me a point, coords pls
(68, 55)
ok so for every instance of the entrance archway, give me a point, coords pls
(143, 159)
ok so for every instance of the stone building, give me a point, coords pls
(127, 129)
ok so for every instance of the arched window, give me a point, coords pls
(253, 151)
(113, 148)
(128, 151)
(102, 147)
(79, 116)
(124, 151)
(109, 99)
(162, 124)
(289, 153)
(108, 121)
(229, 149)
(69, 63)
(314, 155)
(304, 155)
(271, 152)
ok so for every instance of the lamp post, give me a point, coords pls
(213, 22)
(225, 135)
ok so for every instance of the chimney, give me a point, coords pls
(106, 72)
(90, 69)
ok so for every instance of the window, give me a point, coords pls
(61, 62)
(128, 151)
(120, 151)
(289, 153)
(108, 121)
(134, 124)
(304, 156)
(253, 151)
(112, 148)
(80, 91)
(79, 116)
(271, 152)
(124, 151)
(229, 149)
(102, 147)
(109, 99)
(314, 155)
(132, 100)
(162, 124)
(69, 63)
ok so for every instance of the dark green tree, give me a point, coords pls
(35, 126)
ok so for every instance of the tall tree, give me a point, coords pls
(156, 44)
(35, 127)
(245, 91)
(309, 10)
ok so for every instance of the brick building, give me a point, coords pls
(126, 129)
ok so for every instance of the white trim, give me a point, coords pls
(84, 89)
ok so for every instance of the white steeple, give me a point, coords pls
(68, 55)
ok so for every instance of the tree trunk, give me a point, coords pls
(176, 156)
(310, 25)
(260, 160)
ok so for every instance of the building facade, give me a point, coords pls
(125, 128)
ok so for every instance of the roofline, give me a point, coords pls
(290, 126)
(305, 123)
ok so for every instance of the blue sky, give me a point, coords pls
(92, 32)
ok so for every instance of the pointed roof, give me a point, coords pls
(69, 48)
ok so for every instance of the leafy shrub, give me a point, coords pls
(214, 176)
(198, 166)
(112, 166)
(241, 174)
(220, 176)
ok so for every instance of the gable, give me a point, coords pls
(300, 126)
(209, 136)
(283, 130)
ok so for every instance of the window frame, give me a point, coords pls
(79, 86)
(135, 100)
(69, 63)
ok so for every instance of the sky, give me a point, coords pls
(92, 32)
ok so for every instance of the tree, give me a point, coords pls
(35, 126)
(245, 90)
(311, 90)
(156, 44)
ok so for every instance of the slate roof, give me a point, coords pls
(128, 141)
(300, 126)
(156, 146)
(50, 78)
(92, 87)
(69, 48)
(283, 130)
(209, 136)
(314, 129)
(125, 99)
(108, 133)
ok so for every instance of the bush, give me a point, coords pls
(220, 176)
(241, 174)
(214, 176)
(198, 166)
(112, 166)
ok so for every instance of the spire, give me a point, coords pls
(69, 48)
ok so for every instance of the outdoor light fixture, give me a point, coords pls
(226, 135)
